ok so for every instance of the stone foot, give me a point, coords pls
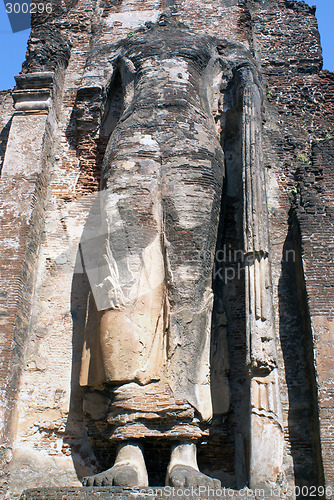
(129, 469)
(183, 476)
(118, 475)
(183, 471)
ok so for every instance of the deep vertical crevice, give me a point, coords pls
(92, 122)
(114, 106)
(229, 293)
(234, 288)
(308, 346)
(113, 110)
(297, 348)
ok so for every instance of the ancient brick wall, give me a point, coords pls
(44, 213)
(300, 101)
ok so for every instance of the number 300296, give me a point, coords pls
(27, 8)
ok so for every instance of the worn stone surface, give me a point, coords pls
(175, 226)
(47, 439)
(163, 175)
(47, 49)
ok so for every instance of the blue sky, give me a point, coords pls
(13, 45)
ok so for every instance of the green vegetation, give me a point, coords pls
(304, 159)
(270, 95)
(132, 33)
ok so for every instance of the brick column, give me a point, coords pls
(23, 182)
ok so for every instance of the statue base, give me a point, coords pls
(145, 493)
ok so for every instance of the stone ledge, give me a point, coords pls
(149, 493)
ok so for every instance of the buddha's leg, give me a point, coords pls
(131, 289)
(131, 326)
(191, 214)
(131, 339)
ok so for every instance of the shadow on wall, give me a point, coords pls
(296, 342)
(75, 434)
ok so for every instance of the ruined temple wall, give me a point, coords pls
(49, 430)
(300, 105)
(50, 444)
(29, 204)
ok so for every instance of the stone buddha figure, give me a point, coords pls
(147, 362)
